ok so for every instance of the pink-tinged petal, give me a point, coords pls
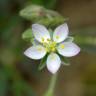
(35, 52)
(53, 63)
(40, 32)
(68, 49)
(60, 33)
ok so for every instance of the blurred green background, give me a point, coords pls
(19, 75)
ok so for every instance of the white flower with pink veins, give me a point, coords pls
(57, 44)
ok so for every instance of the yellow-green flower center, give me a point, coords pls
(49, 45)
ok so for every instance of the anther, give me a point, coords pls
(48, 39)
(42, 39)
(62, 46)
(57, 37)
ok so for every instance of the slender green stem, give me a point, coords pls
(51, 88)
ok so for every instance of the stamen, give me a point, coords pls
(53, 49)
(48, 39)
(42, 39)
(62, 46)
(49, 45)
(57, 37)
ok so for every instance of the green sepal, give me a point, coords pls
(27, 35)
(42, 63)
(69, 39)
(65, 61)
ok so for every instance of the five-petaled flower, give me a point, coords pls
(55, 45)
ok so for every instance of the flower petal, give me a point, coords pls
(35, 52)
(53, 63)
(68, 49)
(60, 33)
(40, 32)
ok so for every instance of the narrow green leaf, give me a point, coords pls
(86, 39)
(42, 63)
(86, 43)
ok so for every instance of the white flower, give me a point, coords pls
(60, 43)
